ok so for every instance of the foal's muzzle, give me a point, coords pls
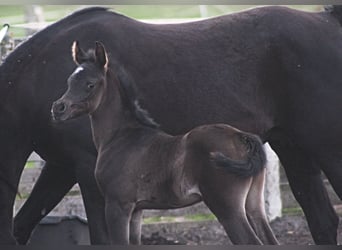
(58, 110)
(65, 109)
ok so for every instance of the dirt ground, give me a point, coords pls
(289, 230)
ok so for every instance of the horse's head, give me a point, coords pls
(85, 85)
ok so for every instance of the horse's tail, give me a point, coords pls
(335, 11)
(253, 163)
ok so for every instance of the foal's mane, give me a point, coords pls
(128, 93)
(127, 89)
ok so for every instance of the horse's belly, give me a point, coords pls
(162, 199)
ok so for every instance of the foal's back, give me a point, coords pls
(218, 137)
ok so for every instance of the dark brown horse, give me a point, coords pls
(272, 71)
(140, 167)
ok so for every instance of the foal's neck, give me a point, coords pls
(110, 117)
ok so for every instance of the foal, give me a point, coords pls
(141, 167)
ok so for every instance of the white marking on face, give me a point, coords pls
(79, 69)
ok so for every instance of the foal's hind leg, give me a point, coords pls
(226, 199)
(255, 208)
(53, 183)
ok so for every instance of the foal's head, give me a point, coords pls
(86, 85)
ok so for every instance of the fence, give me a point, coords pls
(72, 203)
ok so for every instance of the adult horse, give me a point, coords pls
(271, 71)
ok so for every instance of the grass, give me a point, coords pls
(161, 219)
(207, 217)
(186, 218)
(200, 217)
(30, 164)
(292, 211)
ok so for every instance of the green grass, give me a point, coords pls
(200, 217)
(152, 220)
(186, 218)
(24, 196)
(292, 211)
(207, 217)
(30, 164)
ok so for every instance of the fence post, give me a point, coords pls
(272, 187)
(33, 14)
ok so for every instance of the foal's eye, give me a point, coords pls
(90, 85)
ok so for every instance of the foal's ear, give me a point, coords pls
(101, 55)
(77, 53)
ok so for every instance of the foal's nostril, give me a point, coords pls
(59, 108)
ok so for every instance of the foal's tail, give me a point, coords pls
(253, 164)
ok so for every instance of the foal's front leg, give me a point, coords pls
(118, 216)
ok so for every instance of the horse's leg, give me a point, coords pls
(135, 227)
(53, 183)
(7, 196)
(332, 167)
(93, 202)
(255, 208)
(118, 217)
(308, 188)
(226, 199)
(15, 150)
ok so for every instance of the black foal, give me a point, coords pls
(141, 167)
